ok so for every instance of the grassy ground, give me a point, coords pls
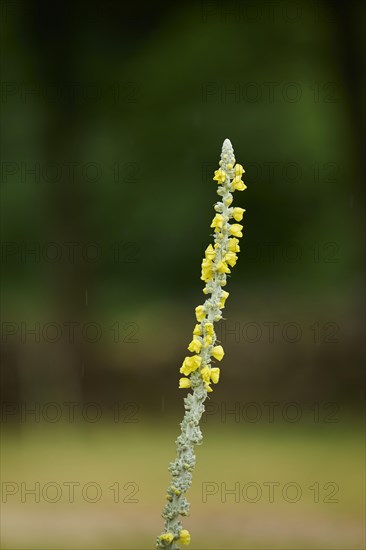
(316, 473)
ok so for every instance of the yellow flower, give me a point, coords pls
(238, 184)
(208, 387)
(168, 537)
(239, 170)
(222, 268)
(229, 200)
(184, 537)
(223, 299)
(206, 272)
(195, 345)
(197, 331)
(238, 213)
(210, 252)
(220, 175)
(205, 373)
(215, 375)
(200, 313)
(207, 340)
(184, 383)
(206, 276)
(190, 364)
(233, 245)
(218, 352)
(231, 258)
(235, 229)
(209, 374)
(209, 328)
(217, 222)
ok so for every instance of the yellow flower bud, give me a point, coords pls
(168, 537)
(229, 200)
(184, 383)
(218, 352)
(184, 537)
(238, 213)
(235, 229)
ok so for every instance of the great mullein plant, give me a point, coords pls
(197, 368)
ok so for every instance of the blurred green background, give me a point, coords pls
(113, 115)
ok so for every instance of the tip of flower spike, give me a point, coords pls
(227, 154)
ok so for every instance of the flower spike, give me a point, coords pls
(219, 258)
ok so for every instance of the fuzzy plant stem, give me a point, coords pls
(198, 370)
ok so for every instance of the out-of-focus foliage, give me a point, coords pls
(114, 115)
